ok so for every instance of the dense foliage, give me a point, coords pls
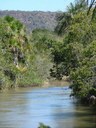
(79, 53)
(31, 59)
(21, 62)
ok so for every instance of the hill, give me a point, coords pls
(34, 19)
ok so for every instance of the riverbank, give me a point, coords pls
(53, 83)
(45, 84)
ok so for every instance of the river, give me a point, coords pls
(27, 107)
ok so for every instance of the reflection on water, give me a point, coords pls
(26, 108)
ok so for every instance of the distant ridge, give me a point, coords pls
(34, 19)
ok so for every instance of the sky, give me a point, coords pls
(35, 5)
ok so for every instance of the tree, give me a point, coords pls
(78, 54)
(14, 47)
(65, 19)
(77, 6)
(84, 77)
(92, 7)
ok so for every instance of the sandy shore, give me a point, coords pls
(56, 83)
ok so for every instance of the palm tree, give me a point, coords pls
(65, 19)
(91, 2)
(92, 5)
(18, 42)
(79, 5)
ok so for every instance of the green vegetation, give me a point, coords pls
(21, 62)
(79, 51)
(92, 6)
(43, 126)
(28, 60)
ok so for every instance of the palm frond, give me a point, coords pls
(91, 5)
(94, 12)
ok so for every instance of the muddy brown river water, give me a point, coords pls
(27, 107)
